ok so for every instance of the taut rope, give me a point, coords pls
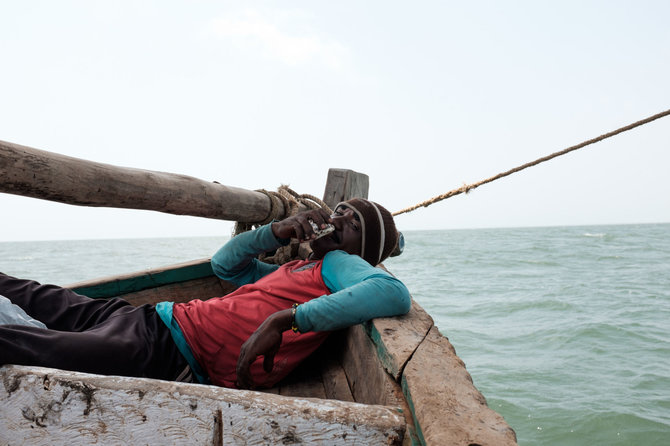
(468, 187)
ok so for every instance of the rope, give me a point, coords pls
(309, 201)
(291, 202)
(274, 213)
(468, 187)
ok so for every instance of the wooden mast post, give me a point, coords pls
(343, 184)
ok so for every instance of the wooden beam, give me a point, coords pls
(51, 176)
(49, 406)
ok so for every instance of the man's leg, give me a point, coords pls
(59, 308)
(134, 342)
(107, 336)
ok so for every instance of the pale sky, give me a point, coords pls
(421, 96)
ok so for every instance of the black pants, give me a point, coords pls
(105, 336)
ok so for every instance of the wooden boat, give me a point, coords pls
(388, 381)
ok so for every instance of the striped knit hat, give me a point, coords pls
(378, 232)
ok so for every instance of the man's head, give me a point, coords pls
(362, 227)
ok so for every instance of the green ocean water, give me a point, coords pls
(565, 330)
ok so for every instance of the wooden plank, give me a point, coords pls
(310, 386)
(368, 381)
(120, 284)
(42, 406)
(335, 381)
(274, 390)
(203, 289)
(447, 407)
(396, 338)
(327, 365)
(319, 376)
(305, 380)
(176, 283)
(343, 184)
(51, 176)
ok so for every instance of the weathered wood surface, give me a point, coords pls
(305, 380)
(202, 289)
(397, 338)
(51, 176)
(343, 184)
(368, 381)
(319, 376)
(54, 407)
(445, 403)
(335, 381)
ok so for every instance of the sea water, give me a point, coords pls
(565, 330)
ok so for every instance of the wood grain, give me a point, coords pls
(55, 407)
(52, 176)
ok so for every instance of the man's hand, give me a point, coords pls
(298, 226)
(265, 341)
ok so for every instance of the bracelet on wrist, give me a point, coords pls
(294, 327)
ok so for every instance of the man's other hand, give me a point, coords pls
(265, 341)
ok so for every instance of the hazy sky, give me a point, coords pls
(421, 96)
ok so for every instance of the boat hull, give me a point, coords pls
(416, 390)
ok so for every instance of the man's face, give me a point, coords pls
(347, 235)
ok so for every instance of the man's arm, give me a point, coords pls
(266, 340)
(236, 260)
(360, 292)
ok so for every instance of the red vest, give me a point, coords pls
(215, 329)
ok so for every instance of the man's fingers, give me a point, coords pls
(269, 362)
(299, 227)
(322, 218)
(307, 230)
(318, 216)
(243, 368)
(298, 231)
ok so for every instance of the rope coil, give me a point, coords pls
(290, 202)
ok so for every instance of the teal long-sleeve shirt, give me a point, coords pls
(359, 291)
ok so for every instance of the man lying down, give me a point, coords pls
(282, 313)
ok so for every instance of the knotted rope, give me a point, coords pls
(468, 187)
(291, 201)
(295, 200)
